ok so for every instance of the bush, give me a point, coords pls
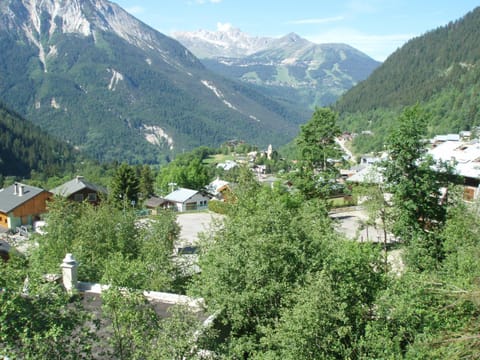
(218, 207)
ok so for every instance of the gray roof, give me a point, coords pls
(181, 195)
(10, 197)
(370, 174)
(76, 185)
(155, 202)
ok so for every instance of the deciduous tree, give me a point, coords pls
(39, 320)
(265, 248)
(415, 180)
(318, 152)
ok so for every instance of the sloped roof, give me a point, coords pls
(370, 174)
(10, 197)
(181, 195)
(76, 185)
(155, 202)
(466, 156)
(216, 186)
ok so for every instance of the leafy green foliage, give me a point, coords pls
(38, 320)
(266, 248)
(318, 151)
(414, 179)
(139, 333)
(132, 322)
(109, 244)
(328, 316)
(187, 171)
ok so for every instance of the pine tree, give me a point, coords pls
(125, 186)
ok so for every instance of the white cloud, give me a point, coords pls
(378, 47)
(135, 10)
(316, 21)
(224, 26)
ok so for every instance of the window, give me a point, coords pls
(78, 197)
(92, 197)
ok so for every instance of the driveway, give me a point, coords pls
(351, 223)
(192, 224)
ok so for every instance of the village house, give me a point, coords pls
(218, 188)
(227, 165)
(188, 200)
(22, 204)
(154, 204)
(465, 158)
(463, 155)
(80, 190)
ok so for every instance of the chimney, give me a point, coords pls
(21, 189)
(69, 273)
(15, 189)
(79, 179)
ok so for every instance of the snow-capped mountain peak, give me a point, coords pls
(226, 41)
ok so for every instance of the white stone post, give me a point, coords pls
(69, 273)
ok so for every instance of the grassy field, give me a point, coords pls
(218, 158)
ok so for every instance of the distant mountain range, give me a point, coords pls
(91, 74)
(291, 69)
(228, 41)
(440, 70)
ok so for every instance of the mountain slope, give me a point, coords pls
(440, 70)
(91, 74)
(24, 147)
(289, 68)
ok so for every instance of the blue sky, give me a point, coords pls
(376, 27)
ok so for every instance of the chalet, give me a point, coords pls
(154, 203)
(187, 199)
(218, 189)
(22, 204)
(465, 157)
(79, 190)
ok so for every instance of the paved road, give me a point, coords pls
(194, 223)
(350, 224)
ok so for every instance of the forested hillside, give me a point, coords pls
(24, 147)
(439, 70)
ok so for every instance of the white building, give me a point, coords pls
(465, 156)
(187, 199)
